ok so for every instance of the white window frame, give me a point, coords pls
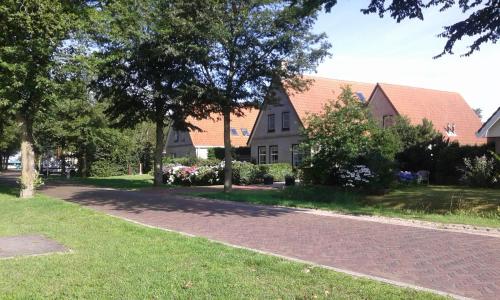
(261, 155)
(272, 159)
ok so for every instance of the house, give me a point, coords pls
(448, 111)
(275, 137)
(491, 130)
(197, 143)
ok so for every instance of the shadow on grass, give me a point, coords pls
(9, 190)
(119, 182)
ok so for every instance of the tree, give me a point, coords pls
(9, 141)
(31, 33)
(482, 22)
(246, 47)
(419, 144)
(146, 71)
(479, 112)
(345, 135)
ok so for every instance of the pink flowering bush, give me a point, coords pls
(194, 175)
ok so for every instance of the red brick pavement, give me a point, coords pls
(459, 263)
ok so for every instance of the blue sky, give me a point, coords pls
(370, 49)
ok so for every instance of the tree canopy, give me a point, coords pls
(31, 35)
(246, 47)
(146, 71)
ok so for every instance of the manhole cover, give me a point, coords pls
(13, 246)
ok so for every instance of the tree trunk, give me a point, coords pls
(28, 174)
(63, 164)
(84, 171)
(228, 160)
(158, 155)
(1, 162)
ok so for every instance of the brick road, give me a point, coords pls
(459, 263)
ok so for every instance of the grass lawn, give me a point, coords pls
(446, 204)
(118, 182)
(115, 259)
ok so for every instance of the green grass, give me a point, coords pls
(445, 204)
(118, 182)
(115, 259)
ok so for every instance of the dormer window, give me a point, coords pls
(245, 132)
(361, 97)
(450, 129)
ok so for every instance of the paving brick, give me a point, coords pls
(458, 263)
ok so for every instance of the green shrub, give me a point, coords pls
(344, 137)
(424, 148)
(278, 171)
(268, 179)
(190, 161)
(104, 168)
(207, 175)
(237, 153)
(247, 173)
(218, 153)
(289, 180)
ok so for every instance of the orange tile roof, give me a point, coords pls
(322, 91)
(440, 107)
(212, 133)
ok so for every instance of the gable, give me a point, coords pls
(184, 139)
(281, 104)
(380, 106)
(491, 128)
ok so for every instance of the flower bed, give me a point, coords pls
(183, 175)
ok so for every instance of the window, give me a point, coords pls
(285, 121)
(234, 131)
(297, 155)
(176, 136)
(450, 129)
(262, 154)
(387, 121)
(273, 154)
(270, 123)
(361, 96)
(183, 136)
(245, 132)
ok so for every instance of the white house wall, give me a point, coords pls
(283, 139)
(183, 147)
(380, 106)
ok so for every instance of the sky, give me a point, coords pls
(367, 48)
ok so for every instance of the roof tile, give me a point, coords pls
(439, 107)
(323, 91)
(212, 133)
